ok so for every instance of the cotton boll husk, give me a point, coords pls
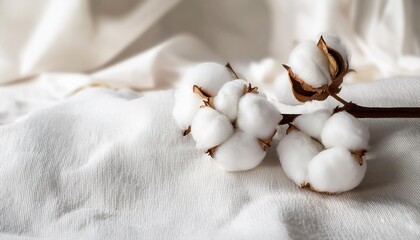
(310, 64)
(313, 123)
(344, 130)
(295, 151)
(283, 90)
(257, 116)
(239, 153)
(209, 128)
(335, 43)
(186, 105)
(228, 97)
(335, 170)
(209, 76)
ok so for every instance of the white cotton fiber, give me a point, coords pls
(264, 71)
(335, 170)
(310, 64)
(335, 43)
(227, 99)
(283, 90)
(257, 116)
(209, 76)
(239, 153)
(312, 123)
(344, 130)
(186, 105)
(209, 128)
(295, 151)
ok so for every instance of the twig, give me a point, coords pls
(366, 112)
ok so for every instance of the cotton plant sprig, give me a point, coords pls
(324, 150)
(234, 123)
(227, 117)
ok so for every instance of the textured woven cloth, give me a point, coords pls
(106, 164)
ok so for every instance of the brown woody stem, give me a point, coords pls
(381, 112)
(366, 112)
(338, 98)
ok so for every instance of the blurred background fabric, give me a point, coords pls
(52, 138)
(51, 48)
(87, 35)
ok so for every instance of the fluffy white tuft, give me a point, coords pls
(344, 130)
(186, 105)
(310, 64)
(209, 128)
(283, 90)
(264, 71)
(335, 170)
(295, 151)
(312, 123)
(209, 76)
(239, 153)
(227, 99)
(257, 116)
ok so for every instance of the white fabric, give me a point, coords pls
(111, 164)
(80, 35)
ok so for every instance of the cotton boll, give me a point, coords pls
(295, 151)
(335, 43)
(283, 90)
(228, 97)
(335, 170)
(186, 105)
(239, 153)
(209, 76)
(209, 128)
(264, 71)
(344, 130)
(257, 116)
(310, 64)
(312, 123)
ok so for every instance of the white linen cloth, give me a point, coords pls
(114, 165)
(110, 164)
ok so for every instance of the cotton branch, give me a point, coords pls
(366, 112)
